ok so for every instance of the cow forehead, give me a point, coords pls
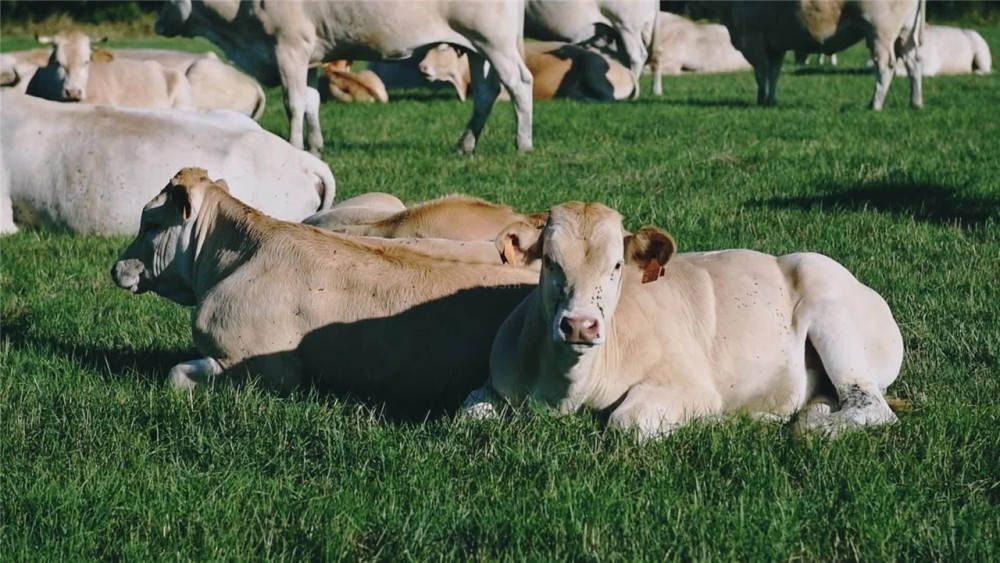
(584, 234)
(73, 44)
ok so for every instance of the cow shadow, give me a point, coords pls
(849, 71)
(923, 202)
(698, 102)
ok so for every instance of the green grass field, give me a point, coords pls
(98, 460)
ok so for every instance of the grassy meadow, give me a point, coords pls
(99, 460)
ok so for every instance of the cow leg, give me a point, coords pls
(776, 59)
(657, 79)
(654, 411)
(846, 335)
(755, 51)
(187, 375)
(485, 89)
(637, 55)
(312, 120)
(293, 65)
(914, 63)
(884, 57)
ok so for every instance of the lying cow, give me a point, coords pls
(69, 76)
(620, 323)
(348, 86)
(369, 317)
(455, 217)
(764, 31)
(631, 23)
(950, 50)
(89, 168)
(278, 40)
(18, 67)
(682, 44)
(560, 70)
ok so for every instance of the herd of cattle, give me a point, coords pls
(458, 299)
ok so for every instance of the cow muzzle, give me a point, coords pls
(580, 329)
(73, 94)
(128, 273)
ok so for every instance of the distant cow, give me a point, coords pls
(621, 324)
(348, 86)
(214, 84)
(764, 31)
(18, 67)
(632, 24)
(70, 76)
(455, 217)
(682, 44)
(88, 168)
(276, 41)
(299, 306)
(950, 50)
(802, 58)
(560, 70)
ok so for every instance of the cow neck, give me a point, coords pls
(225, 236)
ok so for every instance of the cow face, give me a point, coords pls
(161, 259)
(446, 64)
(70, 60)
(585, 252)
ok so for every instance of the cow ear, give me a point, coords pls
(99, 40)
(45, 39)
(102, 56)
(649, 249)
(520, 243)
(222, 185)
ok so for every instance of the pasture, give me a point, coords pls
(99, 460)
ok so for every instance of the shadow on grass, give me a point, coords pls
(923, 202)
(698, 102)
(119, 363)
(806, 71)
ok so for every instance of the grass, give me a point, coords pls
(97, 460)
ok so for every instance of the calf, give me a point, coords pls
(560, 70)
(296, 305)
(348, 86)
(455, 217)
(69, 76)
(620, 323)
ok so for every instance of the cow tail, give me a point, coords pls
(918, 30)
(327, 188)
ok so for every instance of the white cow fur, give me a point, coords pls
(90, 168)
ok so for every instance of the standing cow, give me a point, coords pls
(276, 41)
(764, 30)
(633, 23)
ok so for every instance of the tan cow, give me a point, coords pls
(455, 217)
(620, 323)
(348, 86)
(70, 76)
(683, 45)
(296, 305)
(764, 31)
(18, 67)
(560, 70)
(952, 50)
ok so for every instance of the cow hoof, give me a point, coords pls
(467, 144)
(525, 149)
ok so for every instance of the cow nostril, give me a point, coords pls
(566, 328)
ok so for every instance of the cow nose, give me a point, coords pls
(74, 94)
(579, 329)
(423, 68)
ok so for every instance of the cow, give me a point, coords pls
(348, 86)
(952, 50)
(276, 41)
(369, 317)
(455, 217)
(622, 324)
(802, 58)
(18, 67)
(632, 24)
(214, 83)
(69, 76)
(682, 44)
(764, 31)
(88, 168)
(560, 70)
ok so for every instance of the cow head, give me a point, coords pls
(161, 258)
(70, 61)
(173, 17)
(446, 64)
(586, 252)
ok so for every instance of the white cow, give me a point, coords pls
(276, 41)
(70, 76)
(89, 168)
(951, 50)
(633, 23)
(764, 31)
(621, 324)
(682, 44)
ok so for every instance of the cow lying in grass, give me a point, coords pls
(296, 305)
(620, 323)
